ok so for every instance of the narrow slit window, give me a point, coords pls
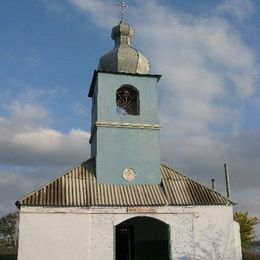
(127, 100)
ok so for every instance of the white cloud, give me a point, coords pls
(239, 9)
(101, 12)
(58, 7)
(23, 139)
(206, 68)
(33, 61)
(79, 109)
(27, 114)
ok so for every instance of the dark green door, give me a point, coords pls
(143, 238)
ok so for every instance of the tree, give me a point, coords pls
(247, 224)
(8, 230)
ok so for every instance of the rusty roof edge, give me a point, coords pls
(18, 203)
(230, 202)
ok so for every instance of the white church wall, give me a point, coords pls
(66, 233)
(216, 234)
(237, 240)
(44, 236)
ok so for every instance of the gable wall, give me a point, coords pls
(74, 233)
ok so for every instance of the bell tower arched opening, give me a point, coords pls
(142, 238)
(127, 100)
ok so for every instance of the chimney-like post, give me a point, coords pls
(213, 184)
(227, 180)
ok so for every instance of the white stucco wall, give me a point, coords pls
(88, 234)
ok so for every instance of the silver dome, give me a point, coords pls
(123, 57)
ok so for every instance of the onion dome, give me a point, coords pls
(123, 57)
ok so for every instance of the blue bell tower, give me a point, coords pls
(125, 131)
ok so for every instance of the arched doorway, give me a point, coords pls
(142, 238)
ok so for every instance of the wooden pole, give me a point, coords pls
(227, 180)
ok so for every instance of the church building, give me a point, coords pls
(122, 203)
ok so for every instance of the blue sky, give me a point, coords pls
(207, 51)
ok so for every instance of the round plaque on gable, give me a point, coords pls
(129, 174)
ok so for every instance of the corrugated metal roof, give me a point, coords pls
(181, 190)
(79, 187)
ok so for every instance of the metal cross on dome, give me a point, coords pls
(122, 5)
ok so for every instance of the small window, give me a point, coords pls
(127, 100)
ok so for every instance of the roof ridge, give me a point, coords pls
(176, 171)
